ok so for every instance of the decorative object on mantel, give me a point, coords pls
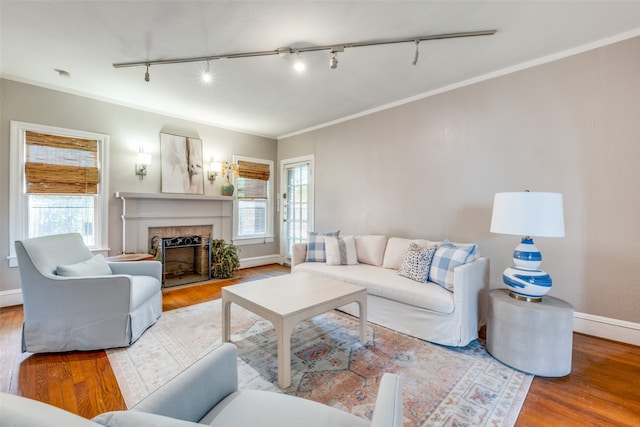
(182, 170)
(224, 259)
(227, 169)
(527, 214)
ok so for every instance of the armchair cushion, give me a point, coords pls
(95, 266)
(139, 419)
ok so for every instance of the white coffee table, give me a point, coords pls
(287, 300)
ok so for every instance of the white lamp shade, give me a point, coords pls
(528, 214)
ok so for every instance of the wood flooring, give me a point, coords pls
(603, 388)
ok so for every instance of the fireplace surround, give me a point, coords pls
(145, 215)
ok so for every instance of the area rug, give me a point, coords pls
(442, 386)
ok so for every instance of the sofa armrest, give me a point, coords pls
(138, 268)
(388, 409)
(298, 254)
(470, 286)
(195, 391)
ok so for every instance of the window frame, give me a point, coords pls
(18, 205)
(267, 237)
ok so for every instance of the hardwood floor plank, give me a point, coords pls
(603, 388)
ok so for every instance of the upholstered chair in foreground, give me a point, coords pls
(206, 393)
(74, 300)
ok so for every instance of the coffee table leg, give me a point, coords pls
(283, 331)
(226, 320)
(363, 320)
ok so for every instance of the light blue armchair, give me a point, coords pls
(206, 393)
(75, 301)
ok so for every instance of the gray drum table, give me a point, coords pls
(287, 300)
(534, 337)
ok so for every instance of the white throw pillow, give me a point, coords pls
(341, 250)
(397, 248)
(370, 249)
(96, 266)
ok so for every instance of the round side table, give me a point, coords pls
(533, 337)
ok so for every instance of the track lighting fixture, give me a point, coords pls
(206, 75)
(284, 51)
(299, 65)
(333, 62)
(415, 57)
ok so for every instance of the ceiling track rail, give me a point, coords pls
(337, 47)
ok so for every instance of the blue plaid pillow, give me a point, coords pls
(447, 257)
(315, 246)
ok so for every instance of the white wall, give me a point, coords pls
(129, 128)
(430, 169)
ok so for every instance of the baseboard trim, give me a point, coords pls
(12, 297)
(604, 327)
(588, 324)
(260, 260)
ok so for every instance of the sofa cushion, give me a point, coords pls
(397, 248)
(370, 249)
(447, 257)
(96, 266)
(416, 263)
(341, 250)
(316, 246)
(386, 283)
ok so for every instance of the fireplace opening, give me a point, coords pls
(185, 259)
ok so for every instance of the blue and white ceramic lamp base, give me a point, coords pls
(524, 280)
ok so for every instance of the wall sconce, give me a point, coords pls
(214, 167)
(144, 159)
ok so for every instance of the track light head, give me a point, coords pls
(207, 77)
(146, 75)
(333, 62)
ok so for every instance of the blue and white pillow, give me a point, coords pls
(416, 262)
(447, 257)
(316, 246)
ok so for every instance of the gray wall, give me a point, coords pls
(430, 169)
(128, 128)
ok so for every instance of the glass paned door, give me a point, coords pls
(297, 203)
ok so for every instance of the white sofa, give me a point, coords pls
(424, 310)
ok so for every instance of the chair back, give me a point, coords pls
(42, 255)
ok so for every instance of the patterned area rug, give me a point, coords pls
(442, 386)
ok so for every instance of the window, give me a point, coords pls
(254, 212)
(57, 173)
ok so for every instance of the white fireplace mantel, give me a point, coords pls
(140, 211)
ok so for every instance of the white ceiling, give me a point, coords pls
(264, 95)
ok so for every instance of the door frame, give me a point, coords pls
(284, 163)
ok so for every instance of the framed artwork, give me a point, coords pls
(182, 170)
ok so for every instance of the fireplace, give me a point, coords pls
(185, 253)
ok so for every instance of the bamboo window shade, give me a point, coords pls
(252, 180)
(57, 164)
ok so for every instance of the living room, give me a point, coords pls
(427, 167)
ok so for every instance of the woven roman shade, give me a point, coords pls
(252, 180)
(253, 170)
(57, 164)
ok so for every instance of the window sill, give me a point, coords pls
(241, 241)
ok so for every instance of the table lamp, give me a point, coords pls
(531, 215)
